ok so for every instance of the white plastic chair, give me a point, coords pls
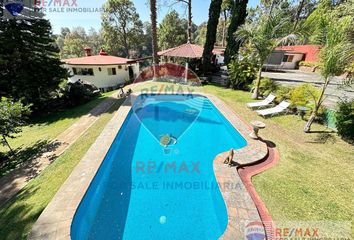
(280, 108)
(263, 103)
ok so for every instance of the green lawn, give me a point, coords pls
(20, 213)
(41, 131)
(313, 180)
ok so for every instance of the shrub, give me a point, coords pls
(12, 115)
(308, 64)
(350, 68)
(345, 120)
(241, 73)
(80, 92)
(283, 93)
(304, 95)
(266, 86)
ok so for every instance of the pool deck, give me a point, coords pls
(56, 219)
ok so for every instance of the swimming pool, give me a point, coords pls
(144, 190)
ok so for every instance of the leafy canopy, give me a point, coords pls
(172, 31)
(122, 27)
(12, 115)
(30, 68)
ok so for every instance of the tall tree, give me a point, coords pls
(190, 21)
(95, 40)
(225, 9)
(122, 27)
(201, 33)
(146, 48)
(73, 47)
(214, 14)
(153, 16)
(171, 32)
(74, 42)
(238, 17)
(30, 69)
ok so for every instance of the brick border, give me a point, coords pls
(55, 221)
(247, 172)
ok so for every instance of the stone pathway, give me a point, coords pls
(12, 183)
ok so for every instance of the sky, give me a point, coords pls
(62, 15)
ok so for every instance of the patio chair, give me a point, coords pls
(263, 103)
(280, 108)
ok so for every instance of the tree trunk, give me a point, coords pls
(8, 145)
(238, 17)
(299, 10)
(224, 29)
(258, 83)
(317, 107)
(214, 14)
(153, 16)
(189, 21)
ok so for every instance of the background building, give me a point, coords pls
(104, 71)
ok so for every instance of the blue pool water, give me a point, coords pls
(147, 191)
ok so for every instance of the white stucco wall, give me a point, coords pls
(101, 79)
(292, 64)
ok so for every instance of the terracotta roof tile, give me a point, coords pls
(187, 50)
(97, 60)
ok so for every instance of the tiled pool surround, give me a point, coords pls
(56, 219)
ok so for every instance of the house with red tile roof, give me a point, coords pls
(104, 71)
(288, 57)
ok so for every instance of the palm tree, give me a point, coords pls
(264, 36)
(337, 52)
(153, 16)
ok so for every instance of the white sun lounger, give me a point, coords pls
(262, 103)
(281, 107)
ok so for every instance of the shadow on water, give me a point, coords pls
(103, 211)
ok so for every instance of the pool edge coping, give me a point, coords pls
(56, 219)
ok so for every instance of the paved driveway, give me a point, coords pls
(335, 90)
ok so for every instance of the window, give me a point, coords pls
(119, 66)
(288, 58)
(112, 71)
(83, 71)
